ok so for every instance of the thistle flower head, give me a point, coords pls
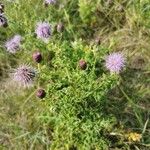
(115, 62)
(50, 2)
(13, 44)
(43, 31)
(24, 75)
(3, 21)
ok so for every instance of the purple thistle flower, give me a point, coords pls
(115, 62)
(43, 31)
(50, 2)
(24, 75)
(13, 44)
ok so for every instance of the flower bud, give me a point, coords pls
(60, 27)
(37, 57)
(41, 93)
(82, 64)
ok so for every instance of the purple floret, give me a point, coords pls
(43, 31)
(13, 44)
(50, 1)
(115, 62)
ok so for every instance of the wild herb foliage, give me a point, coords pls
(85, 105)
(76, 99)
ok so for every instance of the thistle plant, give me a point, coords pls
(79, 97)
(78, 74)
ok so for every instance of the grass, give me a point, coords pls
(83, 110)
